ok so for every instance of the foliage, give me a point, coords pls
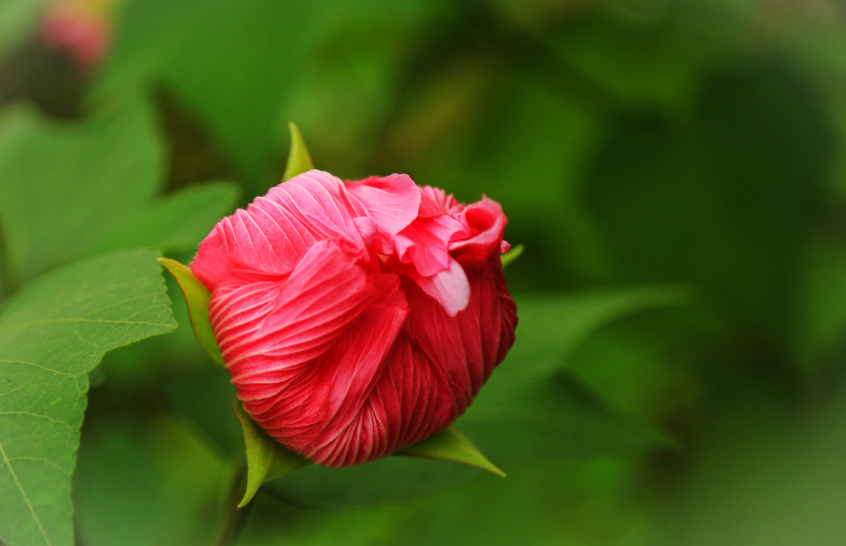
(675, 172)
(51, 335)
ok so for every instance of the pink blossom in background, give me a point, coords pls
(82, 28)
(358, 318)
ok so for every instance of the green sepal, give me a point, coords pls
(267, 459)
(197, 299)
(450, 445)
(299, 161)
(512, 255)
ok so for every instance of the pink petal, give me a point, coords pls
(351, 369)
(320, 203)
(436, 201)
(270, 237)
(391, 203)
(449, 288)
(486, 224)
(412, 394)
(273, 327)
(467, 345)
(424, 243)
(305, 353)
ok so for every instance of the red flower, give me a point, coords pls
(358, 318)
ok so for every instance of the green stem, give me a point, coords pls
(235, 517)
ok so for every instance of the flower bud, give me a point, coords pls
(357, 318)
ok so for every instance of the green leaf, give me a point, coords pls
(715, 230)
(552, 327)
(512, 255)
(267, 459)
(183, 48)
(299, 161)
(96, 192)
(51, 210)
(450, 445)
(173, 222)
(17, 20)
(52, 334)
(144, 481)
(554, 417)
(392, 479)
(197, 299)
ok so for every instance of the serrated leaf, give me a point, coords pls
(299, 160)
(450, 445)
(512, 255)
(197, 299)
(52, 334)
(267, 459)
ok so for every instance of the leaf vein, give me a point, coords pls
(39, 366)
(24, 495)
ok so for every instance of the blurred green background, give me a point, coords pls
(676, 170)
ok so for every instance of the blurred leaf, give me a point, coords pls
(143, 482)
(550, 328)
(173, 222)
(250, 50)
(823, 305)
(717, 200)
(64, 186)
(17, 21)
(52, 334)
(767, 474)
(197, 299)
(299, 161)
(392, 479)
(553, 418)
(203, 401)
(267, 459)
(450, 445)
(512, 255)
(95, 192)
(529, 408)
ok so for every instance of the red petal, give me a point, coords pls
(487, 225)
(424, 243)
(270, 237)
(268, 331)
(449, 287)
(391, 203)
(470, 344)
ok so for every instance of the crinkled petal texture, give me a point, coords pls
(357, 318)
